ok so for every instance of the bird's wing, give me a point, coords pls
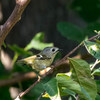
(28, 60)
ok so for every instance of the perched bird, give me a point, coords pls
(41, 60)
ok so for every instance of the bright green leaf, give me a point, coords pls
(52, 89)
(81, 73)
(70, 31)
(96, 72)
(93, 48)
(37, 42)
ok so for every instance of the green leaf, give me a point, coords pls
(98, 85)
(70, 31)
(86, 93)
(93, 48)
(52, 89)
(81, 73)
(91, 28)
(2, 69)
(19, 51)
(68, 91)
(37, 42)
(4, 44)
(35, 92)
(65, 81)
(97, 97)
(4, 93)
(96, 72)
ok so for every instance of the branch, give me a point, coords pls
(63, 60)
(13, 19)
(17, 78)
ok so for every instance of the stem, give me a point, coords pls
(96, 62)
(28, 89)
(15, 58)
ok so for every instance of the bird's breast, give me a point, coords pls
(42, 64)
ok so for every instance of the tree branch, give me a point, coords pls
(18, 78)
(13, 19)
(63, 60)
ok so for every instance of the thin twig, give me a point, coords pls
(18, 78)
(92, 38)
(96, 62)
(28, 89)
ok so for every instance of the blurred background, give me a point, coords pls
(60, 23)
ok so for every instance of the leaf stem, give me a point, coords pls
(95, 63)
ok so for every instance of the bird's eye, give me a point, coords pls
(53, 50)
(38, 55)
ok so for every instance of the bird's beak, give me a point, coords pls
(60, 49)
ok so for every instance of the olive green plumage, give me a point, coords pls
(41, 60)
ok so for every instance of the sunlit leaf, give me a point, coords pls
(52, 89)
(96, 72)
(37, 42)
(81, 73)
(93, 48)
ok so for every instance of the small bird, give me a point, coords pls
(41, 60)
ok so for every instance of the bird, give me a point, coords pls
(41, 60)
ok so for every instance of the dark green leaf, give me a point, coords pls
(19, 50)
(4, 93)
(35, 92)
(87, 9)
(52, 89)
(90, 29)
(70, 31)
(98, 85)
(93, 48)
(97, 97)
(2, 69)
(68, 91)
